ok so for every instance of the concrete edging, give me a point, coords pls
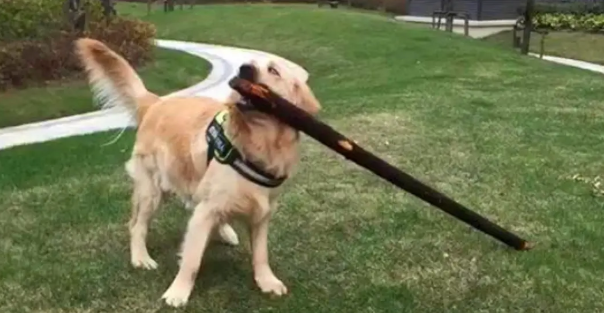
(574, 63)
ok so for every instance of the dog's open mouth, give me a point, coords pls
(250, 73)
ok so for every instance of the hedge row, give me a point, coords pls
(392, 6)
(36, 45)
(40, 60)
(560, 21)
(578, 15)
(576, 8)
(20, 19)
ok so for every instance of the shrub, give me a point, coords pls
(39, 60)
(560, 21)
(575, 8)
(395, 6)
(365, 4)
(28, 18)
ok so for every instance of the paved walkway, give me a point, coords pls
(225, 62)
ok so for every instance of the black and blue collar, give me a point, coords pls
(222, 150)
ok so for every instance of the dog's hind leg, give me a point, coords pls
(146, 198)
(224, 233)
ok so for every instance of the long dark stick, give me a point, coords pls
(268, 102)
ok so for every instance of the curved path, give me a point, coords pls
(225, 62)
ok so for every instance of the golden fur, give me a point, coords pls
(169, 156)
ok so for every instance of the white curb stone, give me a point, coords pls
(574, 63)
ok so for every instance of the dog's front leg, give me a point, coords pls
(263, 274)
(199, 230)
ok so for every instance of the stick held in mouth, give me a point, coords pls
(264, 100)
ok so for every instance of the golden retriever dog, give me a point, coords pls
(170, 155)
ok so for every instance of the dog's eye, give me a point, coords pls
(273, 71)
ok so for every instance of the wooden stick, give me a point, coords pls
(264, 100)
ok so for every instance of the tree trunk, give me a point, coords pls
(528, 26)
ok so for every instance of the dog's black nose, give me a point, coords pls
(247, 72)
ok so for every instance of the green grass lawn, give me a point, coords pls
(499, 132)
(170, 71)
(574, 45)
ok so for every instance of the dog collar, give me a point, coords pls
(222, 150)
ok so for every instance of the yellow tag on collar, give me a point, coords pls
(221, 117)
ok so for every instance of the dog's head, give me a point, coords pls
(283, 81)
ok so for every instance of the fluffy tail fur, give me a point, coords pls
(113, 81)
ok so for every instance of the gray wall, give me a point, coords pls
(422, 7)
(489, 10)
(501, 9)
(569, 1)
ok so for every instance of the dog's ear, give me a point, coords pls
(306, 98)
(248, 72)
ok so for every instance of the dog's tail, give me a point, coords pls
(113, 81)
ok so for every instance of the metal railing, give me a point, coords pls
(449, 14)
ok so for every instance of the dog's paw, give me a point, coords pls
(145, 262)
(228, 235)
(176, 296)
(271, 284)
